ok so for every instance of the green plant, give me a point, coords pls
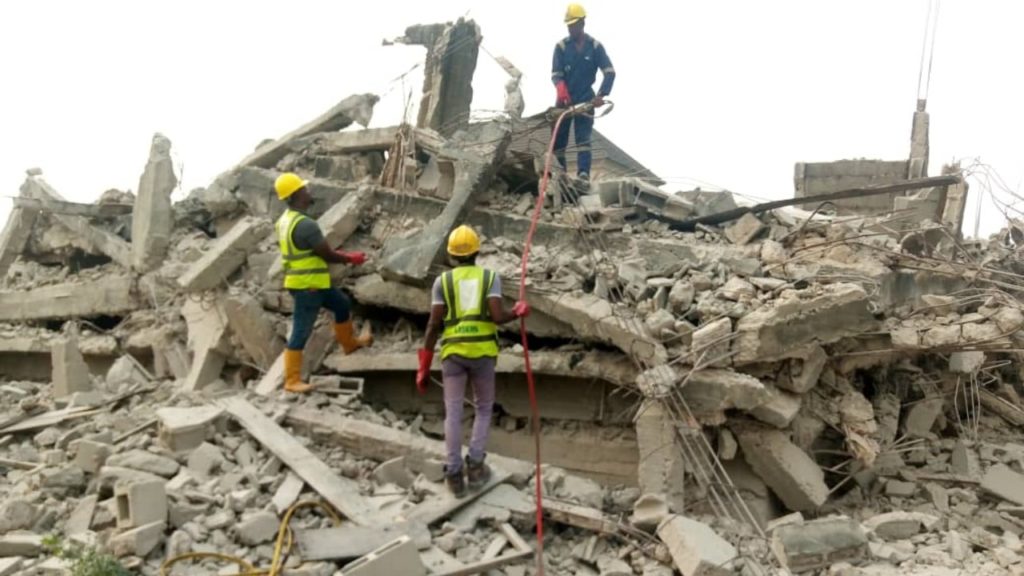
(84, 560)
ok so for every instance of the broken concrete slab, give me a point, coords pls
(922, 416)
(257, 528)
(745, 229)
(1003, 482)
(152, 215)
(70, 373)
(900, 524)
(252, 328)
(15, 236)
(146, 462)
(409, 259)
(207, 339)
(357, 108)
(778, 331)
(21, 544)
(107, 296)
(968, 362)
(794, 477)
(338, 223)
(396, 557)
(710, 344)
(804, 370)
(102, 241)
(695, 548)
(780, 409)
(183, 429)
(594, 319)
(138, 541)
(715, 390)
(820, 543)
(225, 256)
(661, 469)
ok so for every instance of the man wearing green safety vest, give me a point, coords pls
(466, 302)
(305, 254)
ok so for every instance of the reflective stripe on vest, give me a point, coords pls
(303, 270)
(468, 329)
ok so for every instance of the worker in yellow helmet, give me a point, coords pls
(305, 254)
(466, 304)
(574, 69)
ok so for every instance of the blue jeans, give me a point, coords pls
(307, 305)
(584, 127)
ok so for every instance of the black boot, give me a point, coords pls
(478, 473)
(456, 483)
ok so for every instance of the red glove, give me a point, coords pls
(423, 374)
(521, 309)
(354, 258)
(563, 94)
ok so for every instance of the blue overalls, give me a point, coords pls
(578, 68)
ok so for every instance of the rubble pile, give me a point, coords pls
(782, 390)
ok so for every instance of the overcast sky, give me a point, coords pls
(727, 94)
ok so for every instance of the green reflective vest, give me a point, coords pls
(303, 270)
(468, 329)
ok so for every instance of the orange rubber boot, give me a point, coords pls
(293, 372)
(345, 334)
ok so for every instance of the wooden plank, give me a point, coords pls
(513, 537)
(51, 418)
(350, 541)
(340, 492)
(495, 547)
(17, 464)
(865, 191)
(288, 492)
(492, 564)
(434, 510)
(144, 426)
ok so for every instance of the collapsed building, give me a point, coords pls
(828, 383)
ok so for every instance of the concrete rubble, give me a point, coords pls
(775, 389)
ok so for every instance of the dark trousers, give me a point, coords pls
(307, 305)
(584, 127)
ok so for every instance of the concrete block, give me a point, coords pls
(661, 466)
(804, 371)
(91, 456)
(711, 343)
(252, 328)
(821, 315)
(900, 525)
(257, 528)
(17, 515)
(394, 471)
(966, 362)
(744, 230)
(140, 504)
(152, 216)
(396, 557)
(922, 416)
(820, 543)
(225, 256)
(137, 541)
(649, 511)
(900, 489)
(124, 371)
(70, 372)
(21, 544)
(715, 390)
(1003, 482)
(695, 548)
(794, 477)
(204, 460)
(183, 429)
(780, 409)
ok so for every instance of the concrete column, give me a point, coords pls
(918, 165)
(661, 465)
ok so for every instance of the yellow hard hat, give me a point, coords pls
(463, 241)
(287, 184)
(574, 14)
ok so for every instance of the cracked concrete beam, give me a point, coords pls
(357, 108)
(15, 235)
(102, 241)
(108, 296)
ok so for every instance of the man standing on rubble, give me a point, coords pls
(573, 71)
(466, 301)
(305, 254)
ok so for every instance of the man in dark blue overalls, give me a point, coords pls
(574, 70)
